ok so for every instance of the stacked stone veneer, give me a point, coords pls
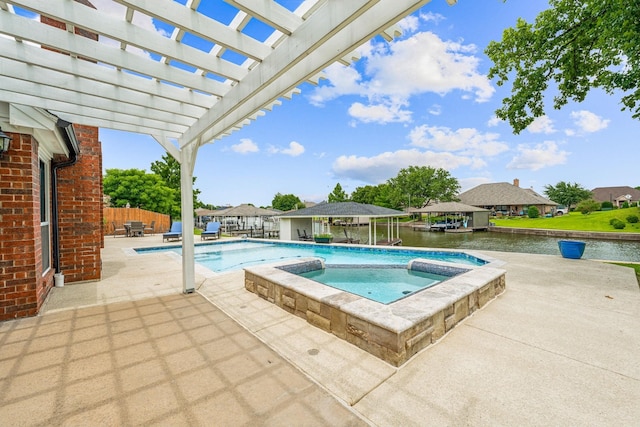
(393, 332)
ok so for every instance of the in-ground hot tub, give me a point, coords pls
(393, 332)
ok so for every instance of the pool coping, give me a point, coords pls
(392, 332)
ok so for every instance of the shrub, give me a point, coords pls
(612, 220)
(625, 205)
(588, 206)
(632, 219)
(618, 225)
(533, 212)
(606, 206)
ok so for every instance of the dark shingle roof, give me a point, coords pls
(449, 207)
(502, 193)
(343, 209)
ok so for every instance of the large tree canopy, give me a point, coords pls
(286, 202)
(337, 195)
(578, 45)
(366, 194)
(416, 186)
(140, 190)
(566, 193)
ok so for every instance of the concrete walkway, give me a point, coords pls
(559, 347)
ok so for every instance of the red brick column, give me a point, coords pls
(22, 285)
(80, 210)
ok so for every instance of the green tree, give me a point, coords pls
(566, 193)
(577, 46)
(286, 202)
(416, 186)
(169, 170)
(139, 189)
(366, 194)
(384, 197)
(587, 206)
(337, 195)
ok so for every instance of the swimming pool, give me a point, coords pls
(235, 255)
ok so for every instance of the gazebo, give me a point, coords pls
(77, 66)
(245, 217)
(319, 218)
(474, 218)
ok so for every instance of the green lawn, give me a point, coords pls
(595, 221)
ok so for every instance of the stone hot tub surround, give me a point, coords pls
(393, 332)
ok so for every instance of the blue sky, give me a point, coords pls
(421, 100)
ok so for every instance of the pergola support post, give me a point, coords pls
(187, 163)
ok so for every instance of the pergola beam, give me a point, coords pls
(270, 13)
(117, 80)
(80, 99)
(190, 21)
(94, 21)
(83, 47)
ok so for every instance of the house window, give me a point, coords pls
(44, 216)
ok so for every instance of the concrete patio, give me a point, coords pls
(559, 347)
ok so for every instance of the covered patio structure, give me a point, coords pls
(319, 219)
(469, 217)
(246, 218)
(91, 68)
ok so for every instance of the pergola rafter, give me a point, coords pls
(161, 83)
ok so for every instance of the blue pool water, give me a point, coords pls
(381, 284)
(229, 256)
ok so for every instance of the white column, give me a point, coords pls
(187, 157)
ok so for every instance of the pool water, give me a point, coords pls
(382, 284)
(229, 256)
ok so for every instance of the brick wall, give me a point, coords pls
(80, 210)
(22, 284)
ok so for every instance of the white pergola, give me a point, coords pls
(136, 79)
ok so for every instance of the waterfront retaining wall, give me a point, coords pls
(602, 235)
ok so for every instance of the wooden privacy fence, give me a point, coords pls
(122, 215)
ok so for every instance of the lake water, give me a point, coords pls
(613, 250)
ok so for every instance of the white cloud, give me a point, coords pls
(432, 17)
(467, 141)
(393, 73)
(426, 63)
(344, 81)
(537, 157)
(295, 149)
(588, 121)
(379, 113)
(435, 110)
(469, 183)
(245, 146)
(379, 168)
(542, 124)
(493, 121)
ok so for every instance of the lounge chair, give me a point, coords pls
(304, 237)
(212, 231)
(136, 229)
(175, 233)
